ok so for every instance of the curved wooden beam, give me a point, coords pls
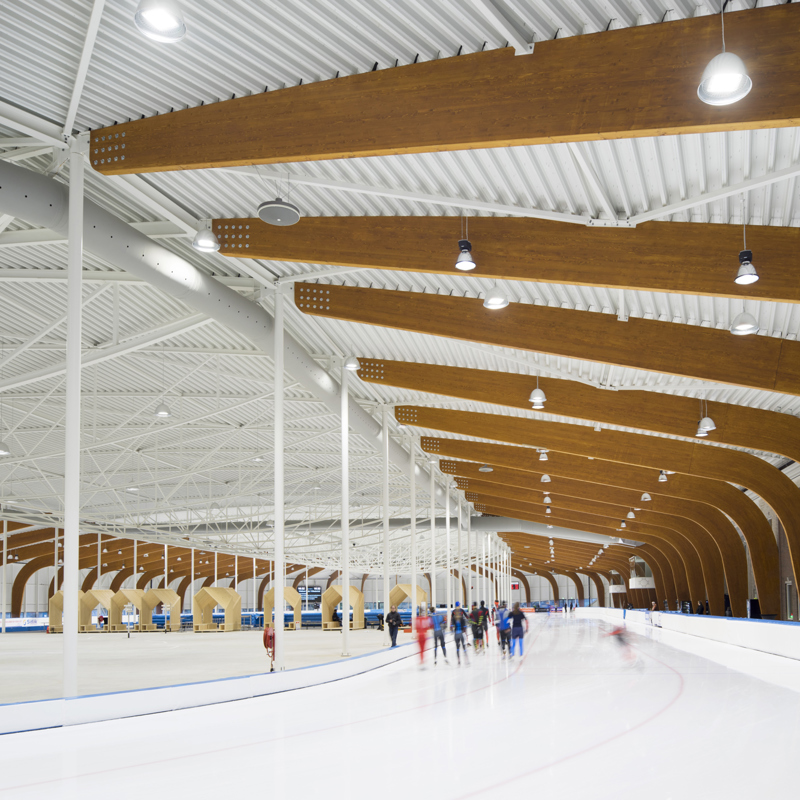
(522, 578)
(699, 480)
(758, 362)
(21, 578)
(630, 84)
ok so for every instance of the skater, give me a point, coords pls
(517, 619)
(437, 621)
(484, 612)
(504, 628)
(394, 621)
(477, 628)
(423, 623)
(458, 625)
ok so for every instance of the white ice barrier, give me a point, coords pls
(767, 650)
(37, 714)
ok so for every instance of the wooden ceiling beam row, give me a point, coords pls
(632, 82)
(644, 258)
(691, 351)
(752, 428)
(721, 498)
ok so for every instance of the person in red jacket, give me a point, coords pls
(423, 624)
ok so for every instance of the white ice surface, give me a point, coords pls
(574, 718)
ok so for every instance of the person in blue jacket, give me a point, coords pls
(458, 625)
(504, 628)
(437, 626)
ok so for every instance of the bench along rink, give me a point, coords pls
(576, 715)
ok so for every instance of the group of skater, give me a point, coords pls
(511, 627)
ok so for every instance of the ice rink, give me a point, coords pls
(573, 718)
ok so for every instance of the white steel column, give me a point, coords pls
(412, 501)
(470, 562)
(55, 560)
(166, 577)
(236, 573)
(215, 568)
(458, 557)
(433, 537)
(483, 568)
(449, 577)
(255, 587)
(385, 469)
(191, 584)
(99, 561)
(72, 419)
(5, 577)
(345, 513)
(280, 569)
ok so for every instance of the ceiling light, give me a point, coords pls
(600, 552)
(133, 489)
(545, 479)
(258, 459)
(701, 431)
(215, 507)
(549, 526)
(548, 510)
(543, 455)
(744, 324)
(747, 272)
(205, 241)
(606, 546)
(105, 549)
(5, 450)
(547, 500)
(707, 424)
(465, 262)
(631, 515)
(162, 410)
(725, 80)
(351, 364)
(495, 299)
(160, 20)
(662, 477)
(279, 212)
(485, 468)
(550, 541)
(646, 497)
(623, 524)
(619, 541)
(433, 460)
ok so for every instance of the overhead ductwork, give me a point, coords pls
(43, 201)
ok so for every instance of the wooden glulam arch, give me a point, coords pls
(726, 498)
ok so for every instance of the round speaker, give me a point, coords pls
(279, 212)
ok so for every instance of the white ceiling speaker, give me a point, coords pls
(279, 212)
(162, 410)
(465, 262)
(495, 299)
(744, 324)
(352, 364)
(160, 20)
(205, 241)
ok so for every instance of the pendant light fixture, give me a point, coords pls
(205, 241)
(545, 479)
(747, 272)
(744, 324)
(279, 212)
(538, 398)
(543, 455)
(485, 468)
(465, 261)
(4, 449)
(160, 20)
(622, 524)
(646, 498)
(352, 364)
(725, 79)
(495, 299)
(162, 410)
(548, 511)
(547, 500)
(631, 515)
(662, 477)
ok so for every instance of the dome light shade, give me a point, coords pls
(279, 212)
(5, 450)
(215, 507)
(205, 241)
(352, 364)
(537, 398)
(543, 456)
(547, 500)
(160, 20)
(495, 299)
(465, 262)
(744, 324)
(701, 432)
(747, 272)
(485, 468)
(707, 424)
(548, 511)
(162, 410)
(725, 80)
(631, 515)
(545, 479)
(622, 524)
(646, 498)
(662, 477)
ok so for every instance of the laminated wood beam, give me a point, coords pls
(753, 428)
(683, 257)
(724, 497)
(758, 362)
(639, 81)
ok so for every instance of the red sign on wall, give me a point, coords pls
(515, 587)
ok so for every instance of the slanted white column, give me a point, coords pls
(433, 535)
(470, 562)
(72, 418)
(459, 566)
(215, 568)
(191, 580)
(412, 500)
(166, 561)
(236, 573)
(449, 578)
(345, 513)
(277, 360)
(255, 587)
(55, 559)
(385, 469)
(99, 560)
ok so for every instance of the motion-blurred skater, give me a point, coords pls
(519, 627)
(458, 624)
